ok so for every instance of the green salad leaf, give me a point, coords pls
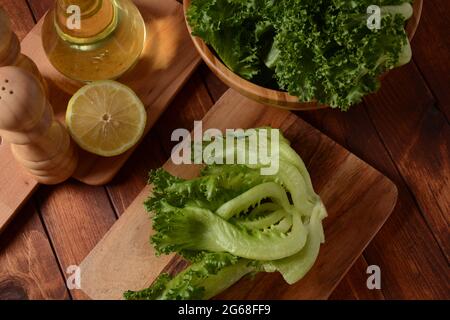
(210, 275)
(232, 220)
(320, 50)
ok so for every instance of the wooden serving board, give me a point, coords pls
(359, 199)
(15, 185)
(168, 60)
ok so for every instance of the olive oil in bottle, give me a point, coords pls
(88, 40)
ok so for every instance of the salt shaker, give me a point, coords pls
(40, 143)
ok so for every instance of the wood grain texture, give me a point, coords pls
(412, 263)
(263, 95)
(431, 51)
(354, 285)
(76, 217)
(417, 136)
(193, 104)
(122, 258)
(39, 7)
(20, 15)
(15, 190)
(167, 61)
(28, 269)
(356, 195)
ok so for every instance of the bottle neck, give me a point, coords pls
(85, 21)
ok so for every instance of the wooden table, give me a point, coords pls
(403, 131)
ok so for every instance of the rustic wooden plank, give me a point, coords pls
(411, 262)
(28, 268)
(16, 189)
(93, 220)
(417, 137)
(71, 244)
(132, 178)
(431, 48)
(20, 15)
(191, 105)
(76, 217)
(216, 87)
(39, 7)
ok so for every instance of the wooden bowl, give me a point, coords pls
(263, 95)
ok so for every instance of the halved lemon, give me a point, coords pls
(106, 118)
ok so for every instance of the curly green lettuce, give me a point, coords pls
(319, 50)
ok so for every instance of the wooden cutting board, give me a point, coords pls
(359, 199)
(168, 60)
(15, 185)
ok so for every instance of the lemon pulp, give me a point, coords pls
(106, 118)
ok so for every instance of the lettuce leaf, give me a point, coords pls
(317, 50)
(232, 221)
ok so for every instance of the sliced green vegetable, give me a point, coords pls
(254, 196)
(192, 228)
(295, 267)
(265, 221)
(233, 220)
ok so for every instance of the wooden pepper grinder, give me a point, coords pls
(10, 50)
(40, 143)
